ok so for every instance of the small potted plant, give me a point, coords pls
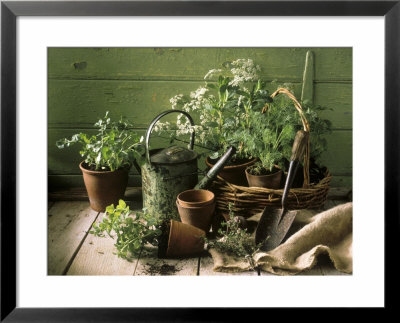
(109, 155)
(271, 143)
(270, 138)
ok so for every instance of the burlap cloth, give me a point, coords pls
(311, 234)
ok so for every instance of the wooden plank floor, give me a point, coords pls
(73, 251)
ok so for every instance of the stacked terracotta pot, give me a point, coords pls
(196, 208)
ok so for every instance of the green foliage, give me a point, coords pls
(234, 240)
(318, 129)
(267, 138)
(222, 105)
(235, 108)
(271, 132)
(114, 146)
(132, 230)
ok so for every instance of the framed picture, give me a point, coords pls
(197, 24)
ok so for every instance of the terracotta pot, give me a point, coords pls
(104, 187)
(234, 174)
(184, 240)
(195, 198)
(199, 217)
(273, 180)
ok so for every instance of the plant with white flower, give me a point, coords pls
(222, 106)
(244, 70)
(212, 73)
(175, 100)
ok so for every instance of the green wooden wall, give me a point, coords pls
(83, 83)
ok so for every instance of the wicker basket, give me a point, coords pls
(247, 201)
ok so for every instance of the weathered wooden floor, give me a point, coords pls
(73, 251)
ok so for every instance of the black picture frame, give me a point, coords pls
(10, 10)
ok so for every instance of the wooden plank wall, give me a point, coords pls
(83, 83)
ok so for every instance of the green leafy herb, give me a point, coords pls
(114, 146)
(131, 230)
(234, 240)
(271, 132)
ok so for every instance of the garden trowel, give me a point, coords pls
(275, 223)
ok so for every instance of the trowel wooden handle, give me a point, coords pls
(299, 144)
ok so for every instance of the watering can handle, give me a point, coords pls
(155, 120)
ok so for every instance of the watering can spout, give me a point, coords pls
(212, 173)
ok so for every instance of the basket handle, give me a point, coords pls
(306, 127)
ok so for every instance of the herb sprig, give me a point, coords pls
(132, 230)
(233, 240)
(114, 146)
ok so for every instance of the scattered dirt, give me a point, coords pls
(158, 269)
(163, 240)
(261, 171)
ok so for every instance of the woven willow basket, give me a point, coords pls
(247, 201)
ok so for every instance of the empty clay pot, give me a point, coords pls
(104, 187)
(184, 240)
(199, 217)
(267, 181)
(195, 198)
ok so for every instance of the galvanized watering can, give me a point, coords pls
(170, 171)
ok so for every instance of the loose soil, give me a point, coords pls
(163, 241)
(93, 168)
(157, 269)
(261, 171)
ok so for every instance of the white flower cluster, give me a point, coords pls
(244, 70)
(184, 127)
(198, 99)
(161, 126)
(175, 101)
(211, 73)
(205, 105)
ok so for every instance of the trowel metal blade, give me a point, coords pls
(272, 229)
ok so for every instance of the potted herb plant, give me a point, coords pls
(270, 137)
(109, 155)
(271, 142)
(222, 105)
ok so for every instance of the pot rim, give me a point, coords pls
(88, 171)
(195, 207)
(250, 162)
(193, 202)
(279, 171)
